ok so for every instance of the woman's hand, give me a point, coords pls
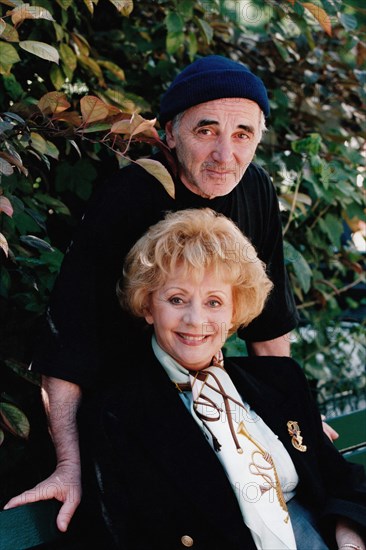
(64, 485)
(347, 535)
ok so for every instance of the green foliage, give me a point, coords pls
(72, 73)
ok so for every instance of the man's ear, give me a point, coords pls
(169, 134)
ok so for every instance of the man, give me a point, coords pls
(214, 115)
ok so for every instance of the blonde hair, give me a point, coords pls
(195, 240)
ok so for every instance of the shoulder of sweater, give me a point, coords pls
(258, 179)
(133, 174)
(133, 185)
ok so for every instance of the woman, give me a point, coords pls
(197, 454)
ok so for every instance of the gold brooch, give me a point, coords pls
(296, 438)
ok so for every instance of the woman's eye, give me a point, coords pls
(214, 303)
(175, 300)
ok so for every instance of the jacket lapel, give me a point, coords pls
(179, 445)
(272, 387)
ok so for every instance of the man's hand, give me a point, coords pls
(61, 400)
(64, 485)
(329, 431)
(279, 347)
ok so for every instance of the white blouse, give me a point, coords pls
(259, 430)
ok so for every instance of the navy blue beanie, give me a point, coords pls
(209, 78)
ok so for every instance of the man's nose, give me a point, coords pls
(223, 152)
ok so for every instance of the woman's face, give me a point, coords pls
(191, 317)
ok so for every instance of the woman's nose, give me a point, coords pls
(194, 315)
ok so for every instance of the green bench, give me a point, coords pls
(29, 526)
(352, 435)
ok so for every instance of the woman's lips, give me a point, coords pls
(191, 338)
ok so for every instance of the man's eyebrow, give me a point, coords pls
(246, 128)
(209, 122)
(206, 122)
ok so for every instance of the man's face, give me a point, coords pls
(215, 142)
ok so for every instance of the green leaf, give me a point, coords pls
(205, 29)
(58, 206)
(40, 49)
(14, 116)
(185, 8)
(310, 144)
(333, 227)
(349, 22)
(113, 68)
(35, 242)
(8, 54)
(355, 210)
(174, 41)
(77, 178)
(14, 420)
(43, 146)
(92, 66)
(57, 77)
(174, 22)
(13, 87)
(192, 46)
(97, 127)
(21, 369)
(25, 223)
(53, 260)
(300, 266)
(10, 34)
(65, 4)
(2, 437)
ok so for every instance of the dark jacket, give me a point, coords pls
(161, 481)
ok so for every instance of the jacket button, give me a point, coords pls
(187, 541)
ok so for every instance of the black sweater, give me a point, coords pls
(87, 335)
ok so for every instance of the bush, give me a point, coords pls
(71, 69)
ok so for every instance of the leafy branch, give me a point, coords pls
(51, 118)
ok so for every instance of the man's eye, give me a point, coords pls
(204, 132)
(243, 136)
